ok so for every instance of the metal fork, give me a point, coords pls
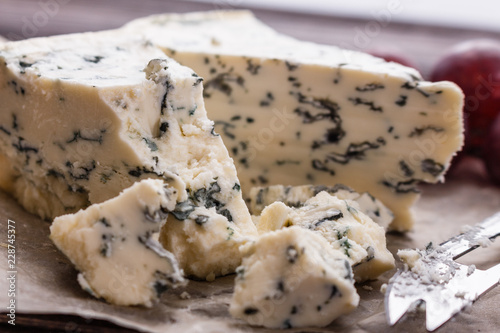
(458, 285)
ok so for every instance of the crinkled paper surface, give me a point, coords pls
(46, 280)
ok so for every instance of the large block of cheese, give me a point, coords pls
(112, 245)
(292, 278)
(79, 121)
(84, 116)
(295, 113)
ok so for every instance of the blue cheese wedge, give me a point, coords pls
(292, 278)
(293, 112)
(79, 121)
(113, 245)
(85, 116)
(342, 224)
(296, 196)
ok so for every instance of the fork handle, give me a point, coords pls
(464, 243)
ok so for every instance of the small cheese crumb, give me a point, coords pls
(466, 228)
(185, 295)
(472, 233)
(409, 256)
(483, 242)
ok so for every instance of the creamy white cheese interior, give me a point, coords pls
(292, 278)
(360, 240)
(296, 196)
(112, 245)
(294, 112)
(87, 115)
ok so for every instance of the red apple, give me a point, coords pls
(475, 67)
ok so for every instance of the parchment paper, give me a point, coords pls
(46, 280)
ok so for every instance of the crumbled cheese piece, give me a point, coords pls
(206, 243)
(101, 239)
(185, 295)
(342, 224)
(471, 269)
(292, 278)
(296, 196)
(471, 234)
(367, 287)
(409, 256)
(432, 265)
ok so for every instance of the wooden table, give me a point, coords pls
(21, 19)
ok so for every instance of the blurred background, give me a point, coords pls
(419, 30)
(479, 14)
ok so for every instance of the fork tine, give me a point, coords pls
(439, 311)
(482, 281)
(397, 306)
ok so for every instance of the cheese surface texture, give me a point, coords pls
(77, 127)
(292, 278)
(205, 241)
(342, 224)
(296, 196)
(74, 124)
(294, 112)
(113, 247)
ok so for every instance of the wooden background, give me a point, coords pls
(20, 19)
